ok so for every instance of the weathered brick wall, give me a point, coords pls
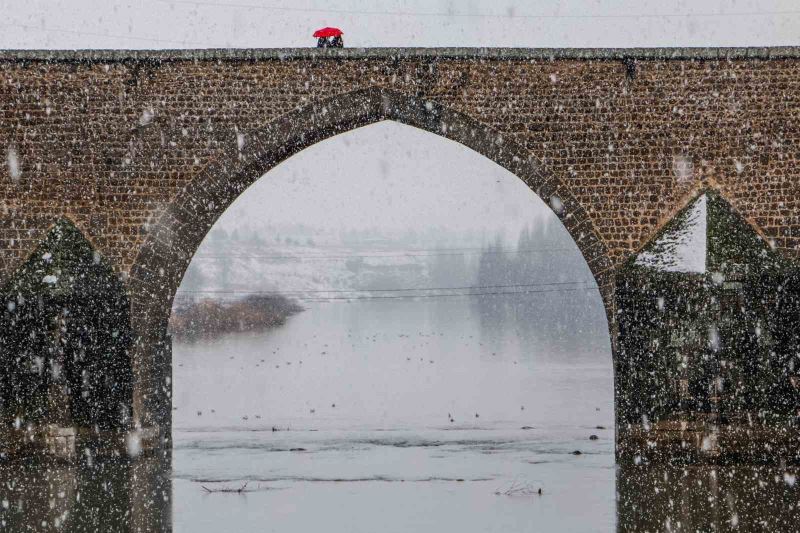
(142, 150)
(110, 139)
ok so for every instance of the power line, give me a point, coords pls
(201, 3)
(427, 296)
(380, 255)
(390, 13)
(443, 249)
(99, 34)
(433, 296)
(204, 3)
(405, 289)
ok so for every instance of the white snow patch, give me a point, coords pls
(147, 116)
(133, 443)
(683, 167)
(12, 160)
(684, 249)
(557, 205)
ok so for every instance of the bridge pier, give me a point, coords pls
(109, 495)
(707, 361)
(152, 393)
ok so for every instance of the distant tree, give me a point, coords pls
(256, 238)
(225, 273)
(218, 234)
(493, 267)
(448, 269)
(193, 279)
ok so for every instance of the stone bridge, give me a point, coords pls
(139, 152)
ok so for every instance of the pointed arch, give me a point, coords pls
(177, 231)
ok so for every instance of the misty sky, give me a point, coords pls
(389, 175)
(276, 23)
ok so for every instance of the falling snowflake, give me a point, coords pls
(12, 160)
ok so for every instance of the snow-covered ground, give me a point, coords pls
(290, 268)
(310, 266)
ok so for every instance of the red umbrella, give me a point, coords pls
(328, 32)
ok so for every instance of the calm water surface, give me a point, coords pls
(401, 415)
(367, 391)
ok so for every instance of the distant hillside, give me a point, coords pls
(233, 263)
(229, 266)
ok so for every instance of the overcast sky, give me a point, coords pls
(389, 175)
(276, 23)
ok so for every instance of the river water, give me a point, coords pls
(367, 391)
(400, 415)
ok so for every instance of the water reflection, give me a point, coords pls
(554, 326)
(724, 498)
(120, 496)
(109, 496)
(396, 462)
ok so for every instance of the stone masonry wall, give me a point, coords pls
(143, 150)
(109, 139)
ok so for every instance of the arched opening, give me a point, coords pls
(174, 236)
(412, 344)
(705, 353)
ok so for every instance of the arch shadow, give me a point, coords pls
(180, 228)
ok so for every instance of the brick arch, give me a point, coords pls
(178, 231)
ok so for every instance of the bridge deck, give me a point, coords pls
(509, 54)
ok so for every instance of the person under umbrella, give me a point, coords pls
(324, 35)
